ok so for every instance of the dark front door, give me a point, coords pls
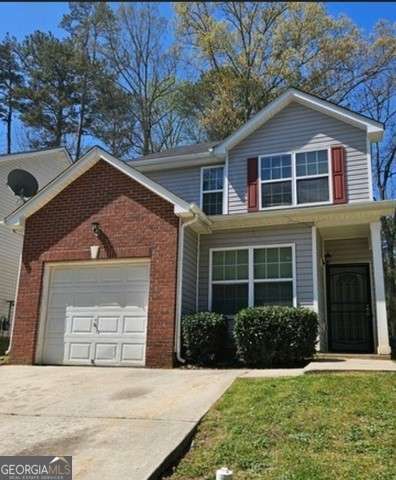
(349, 308)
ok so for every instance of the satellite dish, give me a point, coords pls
(22, 183)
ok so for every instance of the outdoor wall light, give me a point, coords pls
(96, 228)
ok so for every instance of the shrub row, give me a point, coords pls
(263, 336)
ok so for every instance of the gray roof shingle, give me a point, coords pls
(181, 150)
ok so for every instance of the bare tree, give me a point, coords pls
(247, 53)
(378, 99)
(139, 53)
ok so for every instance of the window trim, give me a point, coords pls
(250, 281)
(208, 167)
(294, 179)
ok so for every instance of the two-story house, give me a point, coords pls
(279, 213)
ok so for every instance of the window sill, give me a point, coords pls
(300, 205)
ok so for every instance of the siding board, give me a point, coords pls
(300, 128)
(301, 235)
(348, 250)
(184, 182)
(189, 284)
(44, 169)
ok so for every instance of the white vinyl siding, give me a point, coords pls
(298, 128)
(299, 235)
(189, 283)
(44, 169)
(184, 182)
(348, 250)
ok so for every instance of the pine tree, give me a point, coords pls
(50, 99)
(86, 24)
(10, 82)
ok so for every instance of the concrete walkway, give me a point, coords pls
(329, 365)
(351, 365)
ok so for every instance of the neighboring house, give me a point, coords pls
(44, 165)
(281, 212)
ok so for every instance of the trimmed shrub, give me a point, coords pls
(267, 336)
(204, 335)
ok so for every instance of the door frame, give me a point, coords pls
(45, 289)
(372, 322)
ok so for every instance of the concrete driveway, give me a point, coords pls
(116, 422)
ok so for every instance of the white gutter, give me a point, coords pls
(182, 227)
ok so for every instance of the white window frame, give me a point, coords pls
(251, 281)
(208, 167)
(293, 179)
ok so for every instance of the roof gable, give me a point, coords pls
(374, 129)
(77, 169)
(58, 153)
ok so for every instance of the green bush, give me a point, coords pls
(204, 334)
(267, 336)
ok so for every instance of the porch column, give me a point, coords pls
(315, 282)
(383, 347)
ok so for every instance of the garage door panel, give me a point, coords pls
(56, 352)
(113, 275)
(97, 314)
(132, 352)
(110, 297)
(108, 324)
(80, 351)
(55, 327)
(83, 298)
(134, 324)
(137, 272)
(81, 324)
(58, 298)
(106, 352)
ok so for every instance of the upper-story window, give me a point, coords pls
(312, 172)
(212, 187)
(276, 178)
(296, 178)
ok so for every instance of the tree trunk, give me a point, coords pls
(9, 129)
(80, 129)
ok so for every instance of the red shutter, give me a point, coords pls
(252, 187)
(339, 174)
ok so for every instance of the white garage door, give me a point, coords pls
(96, 314)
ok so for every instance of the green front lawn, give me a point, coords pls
(327, 426)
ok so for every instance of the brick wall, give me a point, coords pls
(135, 223)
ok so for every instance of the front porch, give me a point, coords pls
(349, 290)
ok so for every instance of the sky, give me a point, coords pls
(22, 18)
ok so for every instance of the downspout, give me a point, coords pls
(182, 227)
(16, 299)
(17, 232)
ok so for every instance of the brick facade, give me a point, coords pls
(135, 223)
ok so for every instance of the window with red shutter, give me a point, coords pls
(339, 174)
(252, 187)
